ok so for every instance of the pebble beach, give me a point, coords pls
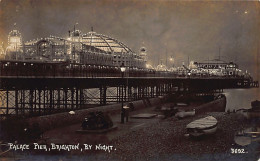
(166, 140)
(155, 139)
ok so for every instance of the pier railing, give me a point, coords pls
(65, 69)
(43, 88)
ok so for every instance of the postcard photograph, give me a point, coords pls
(129, 80)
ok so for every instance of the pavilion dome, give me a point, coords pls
(105, 43)
(76, 33)
(161, 67)
(15, 33)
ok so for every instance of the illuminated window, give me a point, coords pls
(44, 49)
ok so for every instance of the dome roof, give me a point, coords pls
(143, 49)
(161, 67)
(76, 33)
(15, 33)
(104, 42)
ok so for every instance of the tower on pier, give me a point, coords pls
(14, 48)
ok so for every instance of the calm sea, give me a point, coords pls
(241, 98)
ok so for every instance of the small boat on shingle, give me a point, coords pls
(203, 126)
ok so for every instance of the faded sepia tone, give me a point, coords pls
(172, 33)
(180, 28)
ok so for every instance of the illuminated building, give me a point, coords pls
(2, 52)
(14, 48)
(161, 67)
(119, 51)
(46, 49)
(90, 49)
(143, 54)
(218, 68)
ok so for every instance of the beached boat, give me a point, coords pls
(203, 126)
(247, 136)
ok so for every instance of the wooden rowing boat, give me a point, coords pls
(203, 126)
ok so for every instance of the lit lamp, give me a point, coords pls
(172, 60)
(189, 74)
(122, 68)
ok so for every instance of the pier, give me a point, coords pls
(54, 74)
(29, 88)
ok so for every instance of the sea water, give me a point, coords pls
(241, 98)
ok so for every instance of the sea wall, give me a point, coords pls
(218, 105)
(48, 122)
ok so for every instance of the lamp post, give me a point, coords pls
(122, 68)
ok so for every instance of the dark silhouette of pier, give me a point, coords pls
(41, 88)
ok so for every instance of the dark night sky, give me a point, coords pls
(180, 28)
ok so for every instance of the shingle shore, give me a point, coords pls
(165, 140)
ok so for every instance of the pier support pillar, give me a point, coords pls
(31, 101)
(103, 91)
(39, 101)
(16, 102)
